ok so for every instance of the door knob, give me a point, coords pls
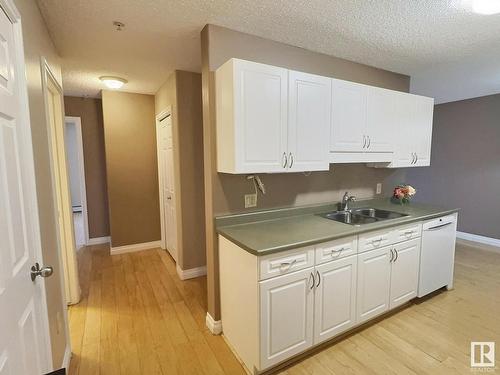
(43, 272)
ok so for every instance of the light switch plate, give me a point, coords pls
(250, 200)
(379, 188)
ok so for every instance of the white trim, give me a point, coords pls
(134, 247)
(480, 239)
(67, 358)
(98, 240)
(191, 273)
(29, 168)
(214, 326)
(77, 121)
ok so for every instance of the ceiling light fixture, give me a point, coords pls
(113, 82)
(486, 7)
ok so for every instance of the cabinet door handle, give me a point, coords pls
(397, 255)
(285, 160)
(319, 278)
(392, 256)
(364, 141)
(369, 141)
(416, 158)
(311, 276)
(291, 160)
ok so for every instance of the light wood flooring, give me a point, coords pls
(137, 317)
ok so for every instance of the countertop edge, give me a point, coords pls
(356, 231)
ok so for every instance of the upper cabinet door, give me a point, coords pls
(252, 103)
(348, 128)
(404, 109)
(380, 120)
(309, 111)
(424, 111)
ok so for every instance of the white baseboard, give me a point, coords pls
(67, 358)
(495, 242)
(214, 326)
(98, 240)
(191, 273)
(134, 247)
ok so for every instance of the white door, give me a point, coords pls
(286, 304)
(374, 277)
(335, 298)
(380, 120)
(404, 273)
(167, 185)
(423, 130)
(348, 128)
(24, 348)
(260, 112)
(309, 110)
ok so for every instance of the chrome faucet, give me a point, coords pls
(344, 205)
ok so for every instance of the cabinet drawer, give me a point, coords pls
(286, 262)
(407, 232)
(336, 249)
(375, 240)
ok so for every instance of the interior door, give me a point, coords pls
(261, 109)
(404, 273)
(335, 298)
(309, 111)
(286, 304)
(374, 277)
(348, 130)
(23, 328)
(167, 182)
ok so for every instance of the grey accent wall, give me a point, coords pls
(465, 164)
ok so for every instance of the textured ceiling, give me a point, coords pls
(421, 38)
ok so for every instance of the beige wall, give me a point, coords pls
(465, 164)
(132, 175)
(90, 112)
(182, 93)
(224, 193)
(37, 43)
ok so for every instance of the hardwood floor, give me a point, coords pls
(137, 317)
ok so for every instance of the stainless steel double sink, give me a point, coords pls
(359, 216)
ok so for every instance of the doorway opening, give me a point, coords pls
(54, 104)
(76, 172)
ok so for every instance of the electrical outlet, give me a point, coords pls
(379, 188)
(250, 200)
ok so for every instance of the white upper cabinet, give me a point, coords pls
(309, 111)
(252, 109)
(348, 130)
(412, 139)
(361, 123)
(270, 119)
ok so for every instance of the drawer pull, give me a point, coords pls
(409, 233)
(288, 265)
(336, 253)
(377, 242)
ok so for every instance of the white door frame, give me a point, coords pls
(162, 115)
(65, 235)
(28, 165)
(77, 121)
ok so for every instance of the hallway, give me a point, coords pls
(137, 317)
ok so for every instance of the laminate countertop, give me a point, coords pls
(266, 232)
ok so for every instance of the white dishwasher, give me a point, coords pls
(437, 254)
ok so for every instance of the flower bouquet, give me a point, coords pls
(403, 193)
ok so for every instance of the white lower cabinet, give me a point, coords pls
(286, 312)
(404, 272)
(335, 298)
(374, 282)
